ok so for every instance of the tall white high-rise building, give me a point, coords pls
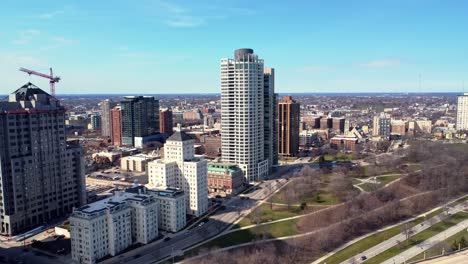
(181, 169)
(462, 112)
(248, 114)
(106, 107)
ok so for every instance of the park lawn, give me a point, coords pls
(366, 174)
(355, 181)
(414, 167)
(420, 237)
(371, 241)
(267, 214)
(387, 179)
(325, 198)
(274, 230)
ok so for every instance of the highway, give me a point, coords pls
(393, 241)
(427, 244)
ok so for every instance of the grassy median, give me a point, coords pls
(419, 237)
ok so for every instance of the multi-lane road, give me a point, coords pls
(395, 240)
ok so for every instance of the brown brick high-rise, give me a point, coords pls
(116, 126)
(165, 121)
(288, 127)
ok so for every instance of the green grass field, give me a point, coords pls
(387, 179)
(280, 229)
(266, 214)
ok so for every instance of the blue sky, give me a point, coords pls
(162, 46)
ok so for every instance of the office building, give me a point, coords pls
(95, 122)
(225, 178)
(326, 123)
(338, 125)
(288, 127)
(165, 121)
(140, 118)
(344, 143)
(109, 226)
(462, 112)
(398, 127)
(116, 122)
(245, 85)
(42, 178)
(106, 107)
(181, 169)
(136, 163)
(382, 125)
(308, 139)
(270, 118)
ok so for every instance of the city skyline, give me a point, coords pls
(326, 46)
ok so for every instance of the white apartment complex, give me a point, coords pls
(172, 208)
(181, 169)
(247, 108)
(462, 112)
(109, 226)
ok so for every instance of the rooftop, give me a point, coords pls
(28, 90)
(118, 199)
(167, 192)
(179, 136)
(222, 167)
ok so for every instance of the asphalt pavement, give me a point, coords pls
(427, 244)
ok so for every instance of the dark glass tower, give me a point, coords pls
(140, 118)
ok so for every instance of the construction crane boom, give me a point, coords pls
(52, 79)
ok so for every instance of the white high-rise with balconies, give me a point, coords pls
(244, 113)
(462, 112)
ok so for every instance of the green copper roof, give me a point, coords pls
(219, 167)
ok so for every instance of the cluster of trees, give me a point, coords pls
(444, 175)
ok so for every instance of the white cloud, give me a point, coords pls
(26, 36)
(63, 40)
(184, 21)
(11, 59)
(182, 17)
(383, 63)
(51, 14)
